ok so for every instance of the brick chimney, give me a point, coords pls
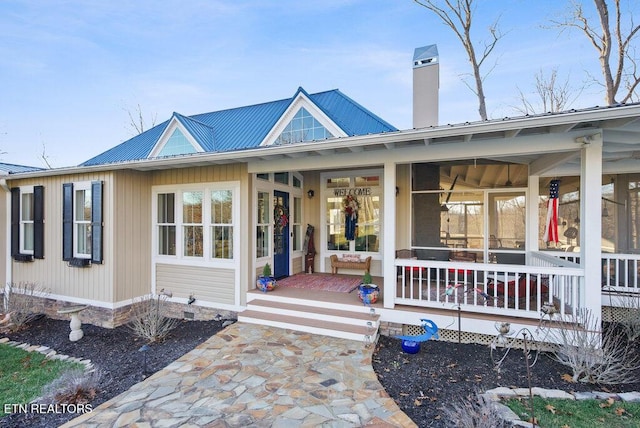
(426, 82)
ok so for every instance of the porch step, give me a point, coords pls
(352, 325)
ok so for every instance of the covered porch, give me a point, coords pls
(458, 224)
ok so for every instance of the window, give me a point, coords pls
(353, 212)
(82, 222)
(303, 127)
(192, 227)
(196, 223)
(177, 144)
(264, 219)
(166, 224)
(27, 223)
(297, 223)
(221, 224)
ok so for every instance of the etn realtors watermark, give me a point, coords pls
(9, 408)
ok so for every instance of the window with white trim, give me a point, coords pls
(27, 223)
(263, 222)
(196, 222)
(222, 224)
(82, 220)
(166, 228)
(82, 226)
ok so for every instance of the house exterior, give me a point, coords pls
(453, 217)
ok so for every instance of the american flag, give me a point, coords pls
(551, 228)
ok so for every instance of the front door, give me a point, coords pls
(280, 234)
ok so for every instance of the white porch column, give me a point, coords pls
(591, 224)
(532, 241)
(389, 228)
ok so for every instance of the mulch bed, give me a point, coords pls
(440, 375)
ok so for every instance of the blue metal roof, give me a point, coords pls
(246, 127)
(13, 169)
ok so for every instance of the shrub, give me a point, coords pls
(474, 412)
(19, 303)
(149, 320)
(75, 386)
(594, 355)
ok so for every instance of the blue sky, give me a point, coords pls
(71, 70)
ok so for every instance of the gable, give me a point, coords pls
(176, 140)
(302, 121)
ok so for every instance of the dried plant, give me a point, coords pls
(630, 315)
(149, 318)
(474, 412)
(594, 355)
(19, 304)
(74, 386)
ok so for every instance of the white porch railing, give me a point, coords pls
(620, 272)
(490, 288)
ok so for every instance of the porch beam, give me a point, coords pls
(591, 225)
(499, 147)
(548, 162)
(621, 137)
(565, 127)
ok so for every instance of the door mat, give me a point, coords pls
(322, 282)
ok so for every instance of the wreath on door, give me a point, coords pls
(280, 218)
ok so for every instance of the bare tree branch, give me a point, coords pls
(137, 123)
(553, 96)
(609, 38)
(458, 16)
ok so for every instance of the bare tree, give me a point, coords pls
(458, 15)
(137, 122)
(610, 37)
(45, 157)
(552, 95)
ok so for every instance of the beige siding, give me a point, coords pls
(131, 234)
(93, 283)
(213, 285)
(204, 174)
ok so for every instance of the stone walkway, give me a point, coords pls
(251, 375)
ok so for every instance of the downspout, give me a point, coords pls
(7, 233)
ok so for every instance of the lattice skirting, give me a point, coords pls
(615, 314)
(468, 337)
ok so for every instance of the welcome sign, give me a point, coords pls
(358, 191)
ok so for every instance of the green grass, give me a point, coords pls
(23, 374)
(578, 414)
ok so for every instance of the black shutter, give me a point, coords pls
(67, 221)
(15, 221)
(38, 222)
(96, 222)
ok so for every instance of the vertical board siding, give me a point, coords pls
(202, 174)
(52, 273)
(132, 235)
(211, 285)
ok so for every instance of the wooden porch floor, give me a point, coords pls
(325, 296)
